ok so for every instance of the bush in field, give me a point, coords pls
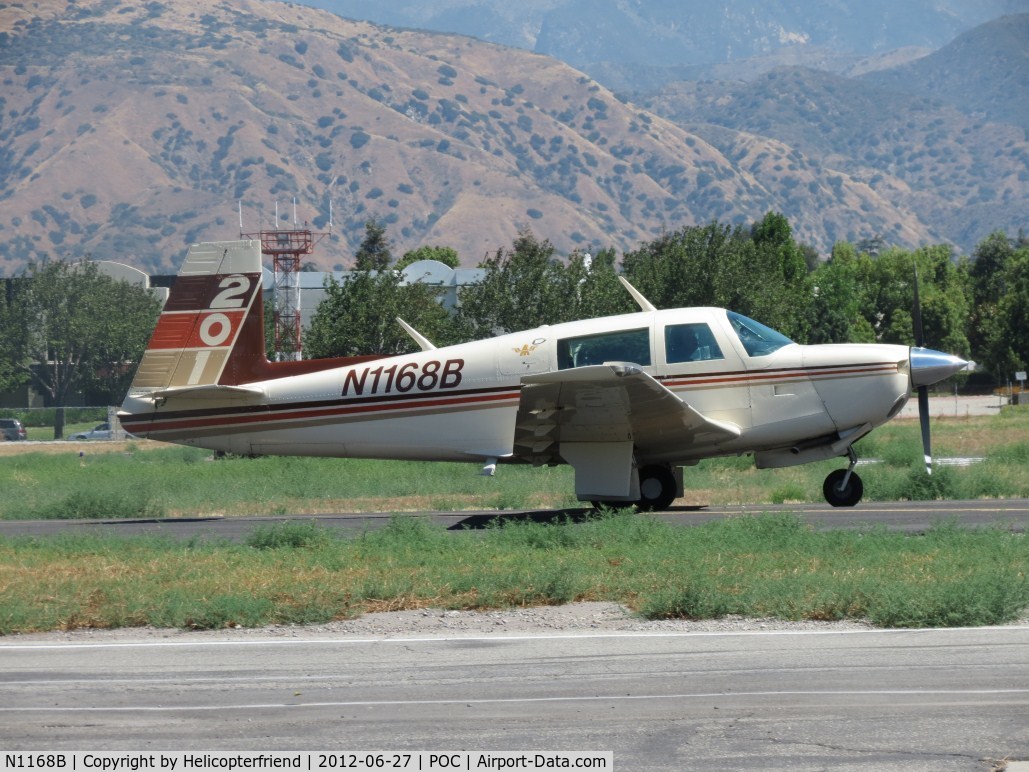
(696, 599)
(965, 602)
(972, 586)
(289, 534)
(94, 505)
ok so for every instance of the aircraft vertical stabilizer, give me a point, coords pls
(203, 320)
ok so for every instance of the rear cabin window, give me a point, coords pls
(690, 343)
(622, 346)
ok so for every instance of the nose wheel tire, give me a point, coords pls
(840, 491)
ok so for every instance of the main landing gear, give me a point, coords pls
(658, 488)
(843, 488)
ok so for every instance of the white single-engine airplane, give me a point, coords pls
(626, 400)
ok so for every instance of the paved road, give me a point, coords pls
(956, 407)
(910, 517)
(885, 700)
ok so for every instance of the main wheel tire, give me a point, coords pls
(657, 488)
(839, 496)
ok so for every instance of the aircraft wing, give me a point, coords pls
(612, 402)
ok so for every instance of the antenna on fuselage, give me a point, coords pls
(424, 343)
(642, 302)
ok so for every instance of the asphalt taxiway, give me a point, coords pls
(904, 516)
(888, 700)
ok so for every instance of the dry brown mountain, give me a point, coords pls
(984, 72)
(962, 175)
(129, 130)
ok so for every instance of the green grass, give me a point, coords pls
(173, 481)
(298, 573)
(180, 481)
(45, 433)
(767, 566)
(1002, 440)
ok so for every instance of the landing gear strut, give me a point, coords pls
(843, 488)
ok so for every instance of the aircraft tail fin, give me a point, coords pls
(209, 339)
(211, 328)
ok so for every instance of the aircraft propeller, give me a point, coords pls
(928, 367)
(923, 391)
(843, 488)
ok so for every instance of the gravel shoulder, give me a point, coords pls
(571, 619)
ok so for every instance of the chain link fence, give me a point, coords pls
(95, 422)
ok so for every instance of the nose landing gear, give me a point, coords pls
(843, 488)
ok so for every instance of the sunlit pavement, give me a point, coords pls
(956, 407)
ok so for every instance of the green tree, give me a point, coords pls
(72, 327)
(682, 268)
(527, 286)
(598, 291)
(374, 253)
(836, 310)
(987, 274)
(760, 272)
(445, 255)
(785, 294)
(811, 257)
(521, 288)
(1005, 347)
(11, 375)
(359, 316)
(887, 297)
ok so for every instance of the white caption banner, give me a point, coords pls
(462, 761)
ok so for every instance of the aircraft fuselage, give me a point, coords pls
(624, 399)
(460, 402)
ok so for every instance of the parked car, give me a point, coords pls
(98, 432)
(11, 429)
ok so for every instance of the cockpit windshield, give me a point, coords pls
(757, 339)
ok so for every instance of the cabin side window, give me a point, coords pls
(621, 346)
(690, 343)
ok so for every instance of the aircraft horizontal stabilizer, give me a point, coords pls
(206, 393)
(612, 402)
(141, 409)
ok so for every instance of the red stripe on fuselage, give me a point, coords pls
(286, 413)
(743, 378)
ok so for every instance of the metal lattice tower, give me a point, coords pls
(285, 247)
